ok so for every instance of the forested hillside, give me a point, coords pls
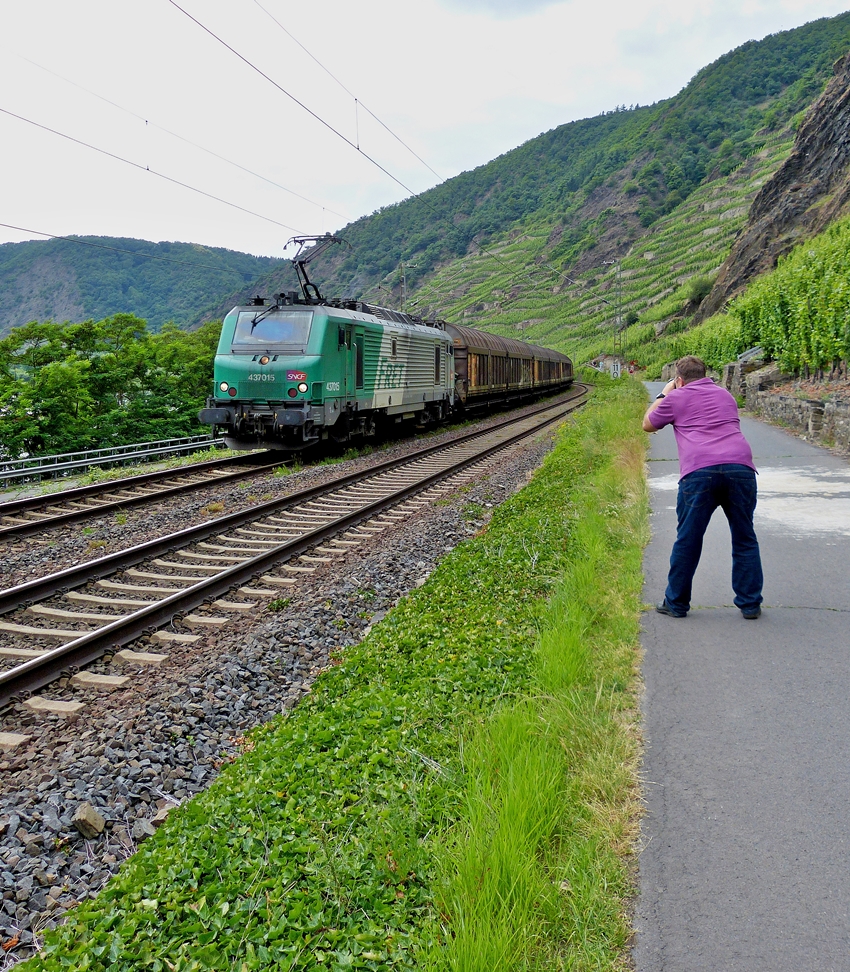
(64, 281)
(600, 183)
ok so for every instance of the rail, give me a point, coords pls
(100, 499)
(37, 672)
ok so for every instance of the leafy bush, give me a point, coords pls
(101, 383)
(699, 288)
(717, 341)
(800, 313)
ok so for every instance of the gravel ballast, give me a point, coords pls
(130, 756)
(29, 558)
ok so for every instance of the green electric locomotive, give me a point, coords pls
(298, 369)
(289, 374)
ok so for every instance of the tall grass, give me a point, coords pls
(536, 873)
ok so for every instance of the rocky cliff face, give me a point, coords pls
(810, 190)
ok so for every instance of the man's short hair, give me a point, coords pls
(690, 368)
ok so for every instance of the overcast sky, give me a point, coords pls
(459, 81)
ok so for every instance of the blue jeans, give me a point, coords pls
(733, 488)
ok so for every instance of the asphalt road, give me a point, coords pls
(745, 861)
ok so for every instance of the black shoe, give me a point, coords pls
(750, 614)
(664, 608)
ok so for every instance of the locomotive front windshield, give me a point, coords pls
(285, 329)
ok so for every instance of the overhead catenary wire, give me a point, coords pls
(145, 168)
(119, 249)
(357, 102)
(182, 138)
(348, 141)
(292, 97)
(326, 124)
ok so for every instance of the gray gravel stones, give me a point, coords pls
(134, 754)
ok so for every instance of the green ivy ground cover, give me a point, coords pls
(332, 843)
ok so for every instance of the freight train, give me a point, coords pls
(298, 369)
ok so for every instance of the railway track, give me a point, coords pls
(201, 577)
(35, 514)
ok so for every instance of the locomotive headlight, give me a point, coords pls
(223, 386)
(292, 393)
(264, 359)
(231, 392)
(302, 386)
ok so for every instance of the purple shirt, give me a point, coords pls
(705, 421)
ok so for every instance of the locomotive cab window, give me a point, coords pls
(279, 330)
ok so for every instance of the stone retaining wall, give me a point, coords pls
(836, 424)
(826, 422)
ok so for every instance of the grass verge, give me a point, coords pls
(457, 793)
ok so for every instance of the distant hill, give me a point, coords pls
(663, 189)
(62, 281)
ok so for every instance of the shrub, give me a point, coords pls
(699, 288)
(799, 313)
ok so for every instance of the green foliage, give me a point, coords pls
(717, 341)
(800, 313)
(532, 877)
(101, 383)
(318, 847)
(699, 288)
(65, 279)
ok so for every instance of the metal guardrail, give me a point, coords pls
(65, 463)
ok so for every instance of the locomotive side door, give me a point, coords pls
(358, 352)
(349, 354)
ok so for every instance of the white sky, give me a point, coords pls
(461, 81)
